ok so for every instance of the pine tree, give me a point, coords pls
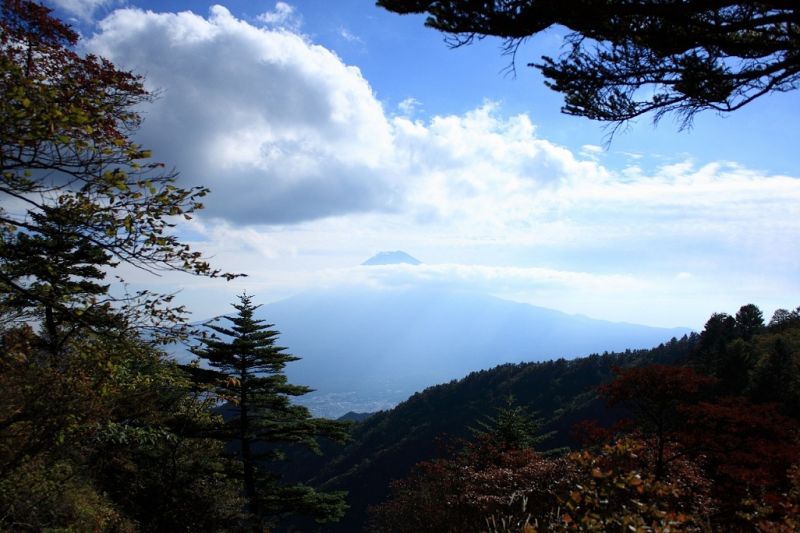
(512, 428)
(250, 377)
(57, 273)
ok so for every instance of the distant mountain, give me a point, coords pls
(352, 416)
(392, 258)
(365, 350)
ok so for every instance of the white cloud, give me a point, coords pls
(81, 9)
(591, 151)
(349, 36)
(309, 174)
(280, 129)
(486, 278)
(408, 107)
(283, 16)
(626, 276)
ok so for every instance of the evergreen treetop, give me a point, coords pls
(250, 377)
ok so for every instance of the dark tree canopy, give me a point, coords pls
(626, 58)
(749, 321)
(263, 418)
(511, 428)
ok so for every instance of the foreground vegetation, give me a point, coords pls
(708, 444)
(100, 431)
(727, 403)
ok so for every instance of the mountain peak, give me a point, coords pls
(392, 258)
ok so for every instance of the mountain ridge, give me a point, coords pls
(385, 345)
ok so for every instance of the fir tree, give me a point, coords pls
(57, 272)
(511, 428)
(262, 417)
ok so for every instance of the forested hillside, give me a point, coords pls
(385, 446)
(387, 344)
(720, 382)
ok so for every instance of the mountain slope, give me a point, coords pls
(387, 444)
(385, 344)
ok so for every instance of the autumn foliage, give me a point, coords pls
(482, 485)
(692, 452)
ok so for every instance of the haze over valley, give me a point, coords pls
(364, 349)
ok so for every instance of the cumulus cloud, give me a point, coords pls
(283, 16)
(591, 151)
(306, 167)
(280, 129)
(482, 167)
(408, 106)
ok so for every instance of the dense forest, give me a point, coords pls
(101, 431)
(721, 406)
(707, 442)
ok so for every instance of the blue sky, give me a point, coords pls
(329, 131)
